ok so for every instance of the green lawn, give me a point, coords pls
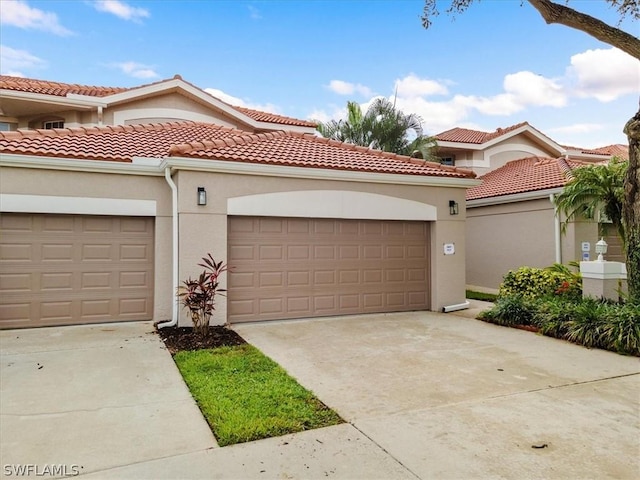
(485, 297)
(246, 396)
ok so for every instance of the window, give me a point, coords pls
(53, 124)
(8, 126)
(448, 160)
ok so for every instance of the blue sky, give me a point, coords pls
(493, 66)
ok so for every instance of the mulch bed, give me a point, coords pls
(184, 338)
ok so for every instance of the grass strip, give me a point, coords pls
(245, 396)
(485, 297)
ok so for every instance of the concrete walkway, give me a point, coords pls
(426, 396)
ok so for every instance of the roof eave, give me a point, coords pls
(514, 197)
(76, 101)
(156, 167)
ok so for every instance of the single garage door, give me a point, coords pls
(73, 269)
(297, 267)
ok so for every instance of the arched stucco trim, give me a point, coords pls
(121, 117)
(331, 204)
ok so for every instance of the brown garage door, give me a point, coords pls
(69, 269)
(297, 267)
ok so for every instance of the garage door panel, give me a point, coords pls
(80, 269)
(329, 267)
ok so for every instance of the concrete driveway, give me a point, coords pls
(426, 396)
(452, 397)
(87, 399)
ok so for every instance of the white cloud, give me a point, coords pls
(239, 102)
(136, 70)
(412, 86)
(12, 61)
(576, 128)
(18, 13)
(345, 88)
(604, 74)
(527, 88)
(121, 9)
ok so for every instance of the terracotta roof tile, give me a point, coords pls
(208, 141)
(525, 175)
(273, 118)
(116, 143)
(57, 89)
(296, 149)
(464, 135)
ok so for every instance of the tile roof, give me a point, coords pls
(112, 143)
(59, 89)
(465, 135)
(273, 118)
(524, 175)
(215, 142)
(617, 150)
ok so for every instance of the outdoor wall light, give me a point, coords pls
(202, 196)
(601, 249)
(453, 207)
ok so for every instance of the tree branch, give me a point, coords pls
(554, 13)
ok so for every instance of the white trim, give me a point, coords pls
(76, 205)
(84, 101)
(331, 204)
(516, 197)
(224, 166)
(243, 168)
(78, 165)
(171, 114)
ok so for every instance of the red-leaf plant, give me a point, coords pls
(198, 295)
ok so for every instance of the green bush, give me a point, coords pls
(510, 311)
(590, 322)
(532, 283)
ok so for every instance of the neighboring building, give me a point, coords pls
(512, 222)
(483, 152)
(102, 219)
(41, 104)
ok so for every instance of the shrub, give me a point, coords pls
(510, 311)
(593, 323)
(552, 316)
(532, 283)
(622, 329)
(198, 295)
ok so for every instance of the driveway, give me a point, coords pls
(84, 399)
(452, 397)
(425, 395)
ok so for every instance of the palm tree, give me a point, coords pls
(382, 127)
(593, 190)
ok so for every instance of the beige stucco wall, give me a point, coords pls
(203, 228)
(497, 155)
(31, 181)
(508, 236)
(163, 108)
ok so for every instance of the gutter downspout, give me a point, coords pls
(557, 230)
(174, 203)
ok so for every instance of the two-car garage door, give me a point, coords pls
(299, 267)
(69, 269)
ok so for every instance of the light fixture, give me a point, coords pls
(601, 249)
(202, 196)
(453, 207)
